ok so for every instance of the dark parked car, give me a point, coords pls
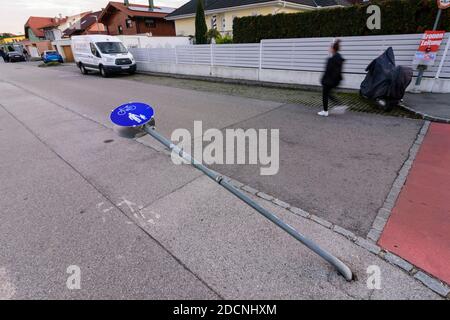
(14, 56)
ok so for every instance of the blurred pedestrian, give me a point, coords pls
(332, 76)
(25, 54)
(3, 54)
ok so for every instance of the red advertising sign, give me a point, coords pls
(428, 48)
(431, 41)
(443, 4)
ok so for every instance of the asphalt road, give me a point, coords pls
(74, 193)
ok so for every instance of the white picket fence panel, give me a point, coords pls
(303, 54)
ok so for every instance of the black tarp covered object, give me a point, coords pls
(384, 80)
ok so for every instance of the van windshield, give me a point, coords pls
(111, 47)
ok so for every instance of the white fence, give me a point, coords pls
(143, 41)
(305, 56)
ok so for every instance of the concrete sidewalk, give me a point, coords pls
(73, 202)
(430, 106)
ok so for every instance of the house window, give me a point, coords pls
(214, 22)
(150, 23)
(120, 29)
(129, 23)
(224, 24)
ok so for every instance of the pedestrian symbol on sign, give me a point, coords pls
(132, 115)
(137, 118)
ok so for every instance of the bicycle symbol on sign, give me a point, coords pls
(123, 111)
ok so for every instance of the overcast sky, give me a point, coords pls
(14, 13)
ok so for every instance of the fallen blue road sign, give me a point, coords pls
(133, 114)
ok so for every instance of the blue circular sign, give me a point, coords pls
(133, 114)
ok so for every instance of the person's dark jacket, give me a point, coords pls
(333, 72)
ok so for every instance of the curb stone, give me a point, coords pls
(282, 204)
(432, 283)
(321, 221)
(249, 189)
(350, 235)
(405, 265)
(425, 116)
(265, 196)
(299, 212)
(389, 203)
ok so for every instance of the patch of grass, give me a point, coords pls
(49, 64)
(311, 98)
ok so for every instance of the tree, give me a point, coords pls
(200, 24)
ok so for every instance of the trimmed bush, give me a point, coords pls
(397, 17)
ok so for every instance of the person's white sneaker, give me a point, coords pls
(323, 113)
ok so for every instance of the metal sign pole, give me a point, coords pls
(422, 68)
(438, 18)
(341, 267)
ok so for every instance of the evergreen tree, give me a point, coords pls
(200, 24)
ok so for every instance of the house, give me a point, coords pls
(88, 24)
(123, 18)
(54, 31)
(34, 27)
(35, 42)
(220, 13)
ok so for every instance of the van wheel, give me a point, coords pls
(83, 69)
(103, 72)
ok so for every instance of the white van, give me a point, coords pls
(102, 53)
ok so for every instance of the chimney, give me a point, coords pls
(126, 3)
(151, 5)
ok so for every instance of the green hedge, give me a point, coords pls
(397, 17)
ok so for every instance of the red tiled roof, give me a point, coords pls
(133, 13)
(84, 23)
(36, 23)
(54, 23)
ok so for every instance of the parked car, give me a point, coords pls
(105, 54)
(52, 56)
(14, 56)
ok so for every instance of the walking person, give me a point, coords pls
(3, 54)
(332, 76)
(25, 54)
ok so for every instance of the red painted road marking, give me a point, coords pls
(419, 227)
